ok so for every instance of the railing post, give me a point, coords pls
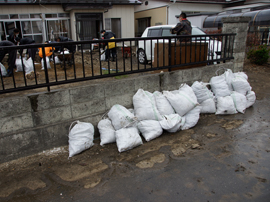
(45, 68)
(170, 55)
(238, 25)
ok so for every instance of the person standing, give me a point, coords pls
(110, 49)
(182, 28)
(11, 56)
(14, 36)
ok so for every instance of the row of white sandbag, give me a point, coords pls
(28, 64)
(158, 111)
(116, 128)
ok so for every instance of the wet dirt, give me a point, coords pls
(223, 158)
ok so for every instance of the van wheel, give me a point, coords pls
(141, 56)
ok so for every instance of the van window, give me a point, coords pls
(167, 32)
(153, 32)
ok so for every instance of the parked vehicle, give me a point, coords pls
(144, 53)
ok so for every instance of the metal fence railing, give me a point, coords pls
(133, 55)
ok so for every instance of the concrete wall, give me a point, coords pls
(37, 122)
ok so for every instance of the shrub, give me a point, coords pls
(259, 55)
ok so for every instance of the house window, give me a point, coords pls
(113, 25)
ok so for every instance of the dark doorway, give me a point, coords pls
(88, 26)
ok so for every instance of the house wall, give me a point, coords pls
(125, 12)
(159, 8)
(158, 15)
(197, 20)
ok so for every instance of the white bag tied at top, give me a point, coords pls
(106, 131)
(150, 129)
(19, 67)
(120, 116)
(163, 105)
(208, 106)
(241, 85)
(191, 118)
(145, 106)
(240, 101)
(28, 66)
(172, 123)
(3, 70)
(47, 63)
(189, 91)
(201, 91)
(81, 137)
(127, 138)
(229, 76)
(251, 98)
(225, 105)
(219, 86)
(180, 101)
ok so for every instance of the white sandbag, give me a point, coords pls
(127, 138)
(219, 86)
(180, 101)
(57, 60)
(225, 105)
(201, 91)
(18, 64)
(188, 90)
(81, 137)
(106, 131)
(191, 118)
(251, 98)
(150, 129)
(163, 105)
(229, 76)
(240, 101)
(145, 106)
(3, 70)
(28, 66)
(47, 63)
(172, 123)
(241, 74)
(208, 106)
(102, 55)
(120, 116)
(241, 85)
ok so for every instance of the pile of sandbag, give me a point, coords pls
(172, 111)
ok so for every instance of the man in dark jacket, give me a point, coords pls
(182, 28)
(15, 35)
(109, 50)
(11, 56)
(31, 51)
(71, 48)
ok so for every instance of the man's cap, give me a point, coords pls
(102, 31)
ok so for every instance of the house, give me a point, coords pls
(162, 12)
(45, 20)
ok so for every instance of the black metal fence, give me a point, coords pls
(133, 55)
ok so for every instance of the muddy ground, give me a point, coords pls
(95, 174)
